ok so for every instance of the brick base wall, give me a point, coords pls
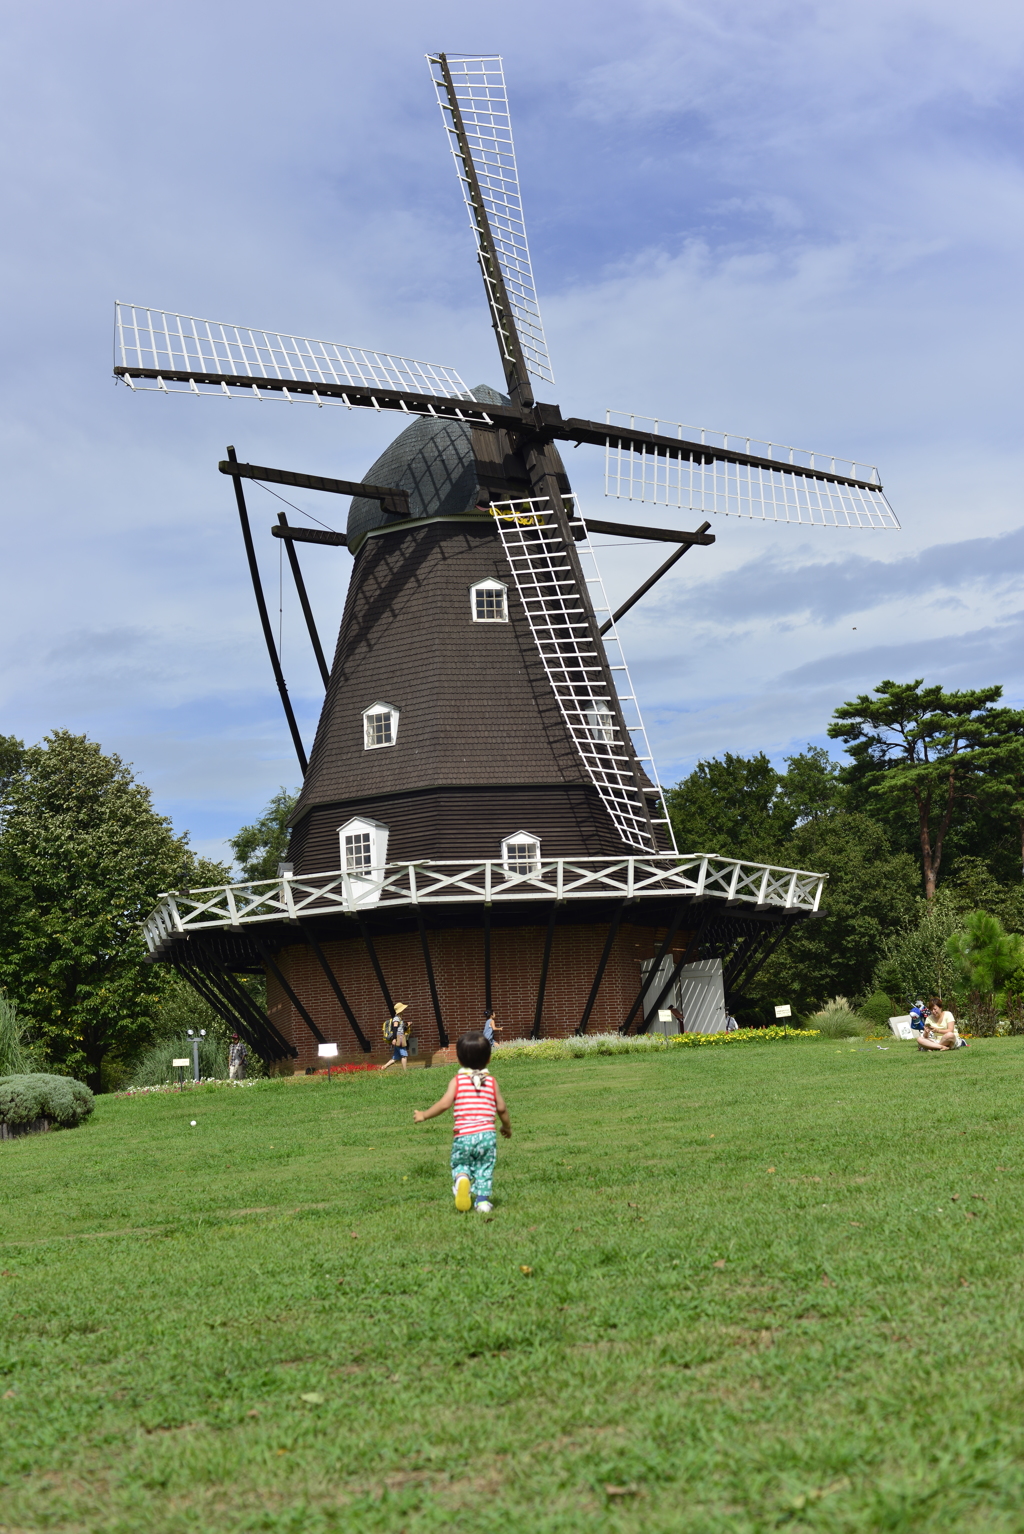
(458, 960)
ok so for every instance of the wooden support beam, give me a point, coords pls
(310, 535)
(286, 988)
(613, 931)
(332, 981)
(307, 611)
(545, 962)
(656, 534)
(395, 501)
(680, 912)
(268, 633)
(435, 1000)
(651, 581)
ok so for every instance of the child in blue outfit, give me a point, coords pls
(475, 1097)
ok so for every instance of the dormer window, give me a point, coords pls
(520, 854)
(380, 726)
(364, 852)
(488, 602)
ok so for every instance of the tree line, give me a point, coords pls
(920, 829)
(921, 825)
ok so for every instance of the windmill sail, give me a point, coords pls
(707, 472)
(154, 345)
(476, 102)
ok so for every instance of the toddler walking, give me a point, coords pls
(476, 1098)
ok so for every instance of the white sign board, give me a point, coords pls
(902, 1029)
(783, 1011)
(327, 1051)
(186, 1061)
(664, 1016)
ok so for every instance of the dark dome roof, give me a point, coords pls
(431, 459)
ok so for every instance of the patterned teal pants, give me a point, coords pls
(474, 1156)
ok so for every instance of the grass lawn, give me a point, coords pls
(767, 1287)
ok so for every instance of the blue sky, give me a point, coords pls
(799, 221)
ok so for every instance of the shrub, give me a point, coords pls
(61, 1099)
(154, 1066)
(838, 1020)
(878, 1009)
(15, 1054)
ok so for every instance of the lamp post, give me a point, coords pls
(195, 1037)
(327, 1052)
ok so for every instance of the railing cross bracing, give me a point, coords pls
(458, 881)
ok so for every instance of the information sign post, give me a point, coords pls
(327, 1052)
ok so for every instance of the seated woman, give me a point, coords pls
(940, 1031)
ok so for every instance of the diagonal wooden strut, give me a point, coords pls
(307, 611)
(672, 559)
(332, 981)
(268, 633)
(613, 931)
(286, 988)
(435, 1000)
(545, 962)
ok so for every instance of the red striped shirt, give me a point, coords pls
(474, 1107)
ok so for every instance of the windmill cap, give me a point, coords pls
(401, 1006)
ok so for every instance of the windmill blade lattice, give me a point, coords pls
(686, 481)
(479, 85)
(156, 339)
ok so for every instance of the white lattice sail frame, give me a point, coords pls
(482, 99)
(776, 494)
(158, 339)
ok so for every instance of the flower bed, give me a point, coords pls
(637, 1044)
(174, 1086)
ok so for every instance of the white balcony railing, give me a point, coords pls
(451, 882)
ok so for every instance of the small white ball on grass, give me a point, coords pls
(193, 1123)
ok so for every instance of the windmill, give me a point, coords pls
(480, 821)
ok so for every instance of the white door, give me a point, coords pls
(698, 993)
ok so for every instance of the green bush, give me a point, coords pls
(15, 1054)
(61, 1099)
(839, 1021)
(878, 1009)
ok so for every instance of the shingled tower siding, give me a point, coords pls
(481, 749)
(516, 955)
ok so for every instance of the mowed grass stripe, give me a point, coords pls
(753, 1303)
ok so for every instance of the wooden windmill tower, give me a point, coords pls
(480, 822)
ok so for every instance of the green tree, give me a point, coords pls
(921, 749)
(870, 893)
(1003, 763)
(813, 786)
(986, 956)
(83, 858)
(259, 848)
(732, 806)
(914, 961)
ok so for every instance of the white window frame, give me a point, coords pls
(362, 825)
(518, 840)
(600, 719)
(379, 708)
(489, 585)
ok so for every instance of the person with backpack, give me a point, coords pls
(397, 1037)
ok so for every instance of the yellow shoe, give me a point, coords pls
(463, 1195)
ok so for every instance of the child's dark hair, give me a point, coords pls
(473, 1051)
